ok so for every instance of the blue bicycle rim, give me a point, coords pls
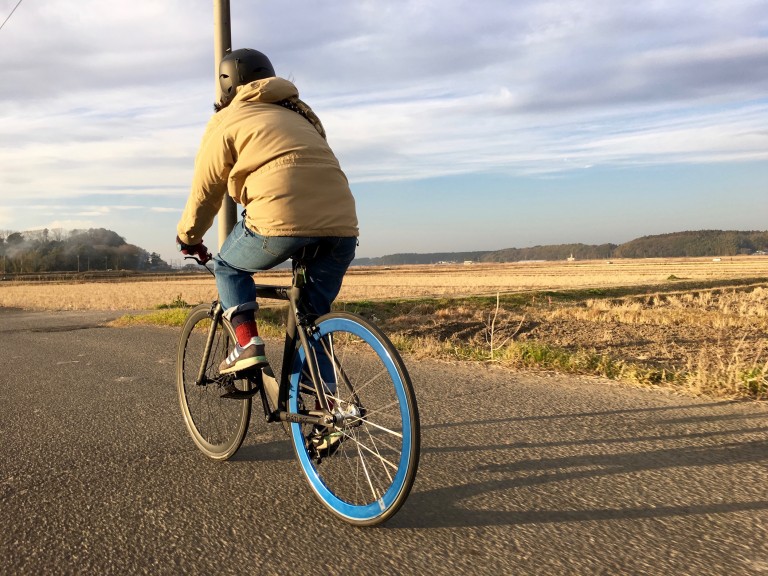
(343, 508)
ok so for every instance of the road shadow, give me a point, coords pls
(599, 413)
(466, 497)
(264, 451)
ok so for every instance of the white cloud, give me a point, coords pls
(6, 216)
(111, 104)
(449, 136)
(66, 46)
(113, 147)
(163, 210)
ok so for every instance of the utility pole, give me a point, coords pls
(222, 43)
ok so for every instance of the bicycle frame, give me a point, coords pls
(298, 329)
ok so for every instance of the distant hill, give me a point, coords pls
(700, 243)
(552, 252)
(72, 251)
(431, 258)
(101, 249)
(693, 244)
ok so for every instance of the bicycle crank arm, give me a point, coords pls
(322, 420)
(232, 393)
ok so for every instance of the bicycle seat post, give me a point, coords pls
(304, 320)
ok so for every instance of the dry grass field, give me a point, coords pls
(382, 283)
(693, 325)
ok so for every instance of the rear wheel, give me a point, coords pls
(362, 469)
(217, 425)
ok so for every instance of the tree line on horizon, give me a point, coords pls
(690, 244)
(58, 250)
(98, 249)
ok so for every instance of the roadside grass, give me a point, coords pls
(177, 302)
(171, 317)
(174, 313)
(711, 371)
(709, 374)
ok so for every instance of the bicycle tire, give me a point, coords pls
(369, 476)
(217, 425)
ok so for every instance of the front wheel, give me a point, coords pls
(217, 425)
(362, 469)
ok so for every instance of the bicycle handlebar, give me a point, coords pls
(203, 263)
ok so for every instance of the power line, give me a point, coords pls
(11, 14)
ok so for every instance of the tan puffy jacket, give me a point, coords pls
(275, 163)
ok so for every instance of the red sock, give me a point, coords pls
(246, 331)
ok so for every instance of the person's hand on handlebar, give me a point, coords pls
(198, 251)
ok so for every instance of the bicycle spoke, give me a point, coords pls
(374, 492)
(379, 457)
(382, 428)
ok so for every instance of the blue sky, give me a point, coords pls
(461, 124)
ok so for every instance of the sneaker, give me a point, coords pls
(245, 357)
(325, 443)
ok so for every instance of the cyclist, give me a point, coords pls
(267, 149)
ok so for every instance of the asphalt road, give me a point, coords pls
(520, 474)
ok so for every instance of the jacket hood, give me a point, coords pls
(267, 90)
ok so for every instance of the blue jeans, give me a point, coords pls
(245, 252)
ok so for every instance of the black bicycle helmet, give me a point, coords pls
(241, 67)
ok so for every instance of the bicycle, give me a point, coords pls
(344, 397)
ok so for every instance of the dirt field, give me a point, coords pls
(713, 334)
(383, 283)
